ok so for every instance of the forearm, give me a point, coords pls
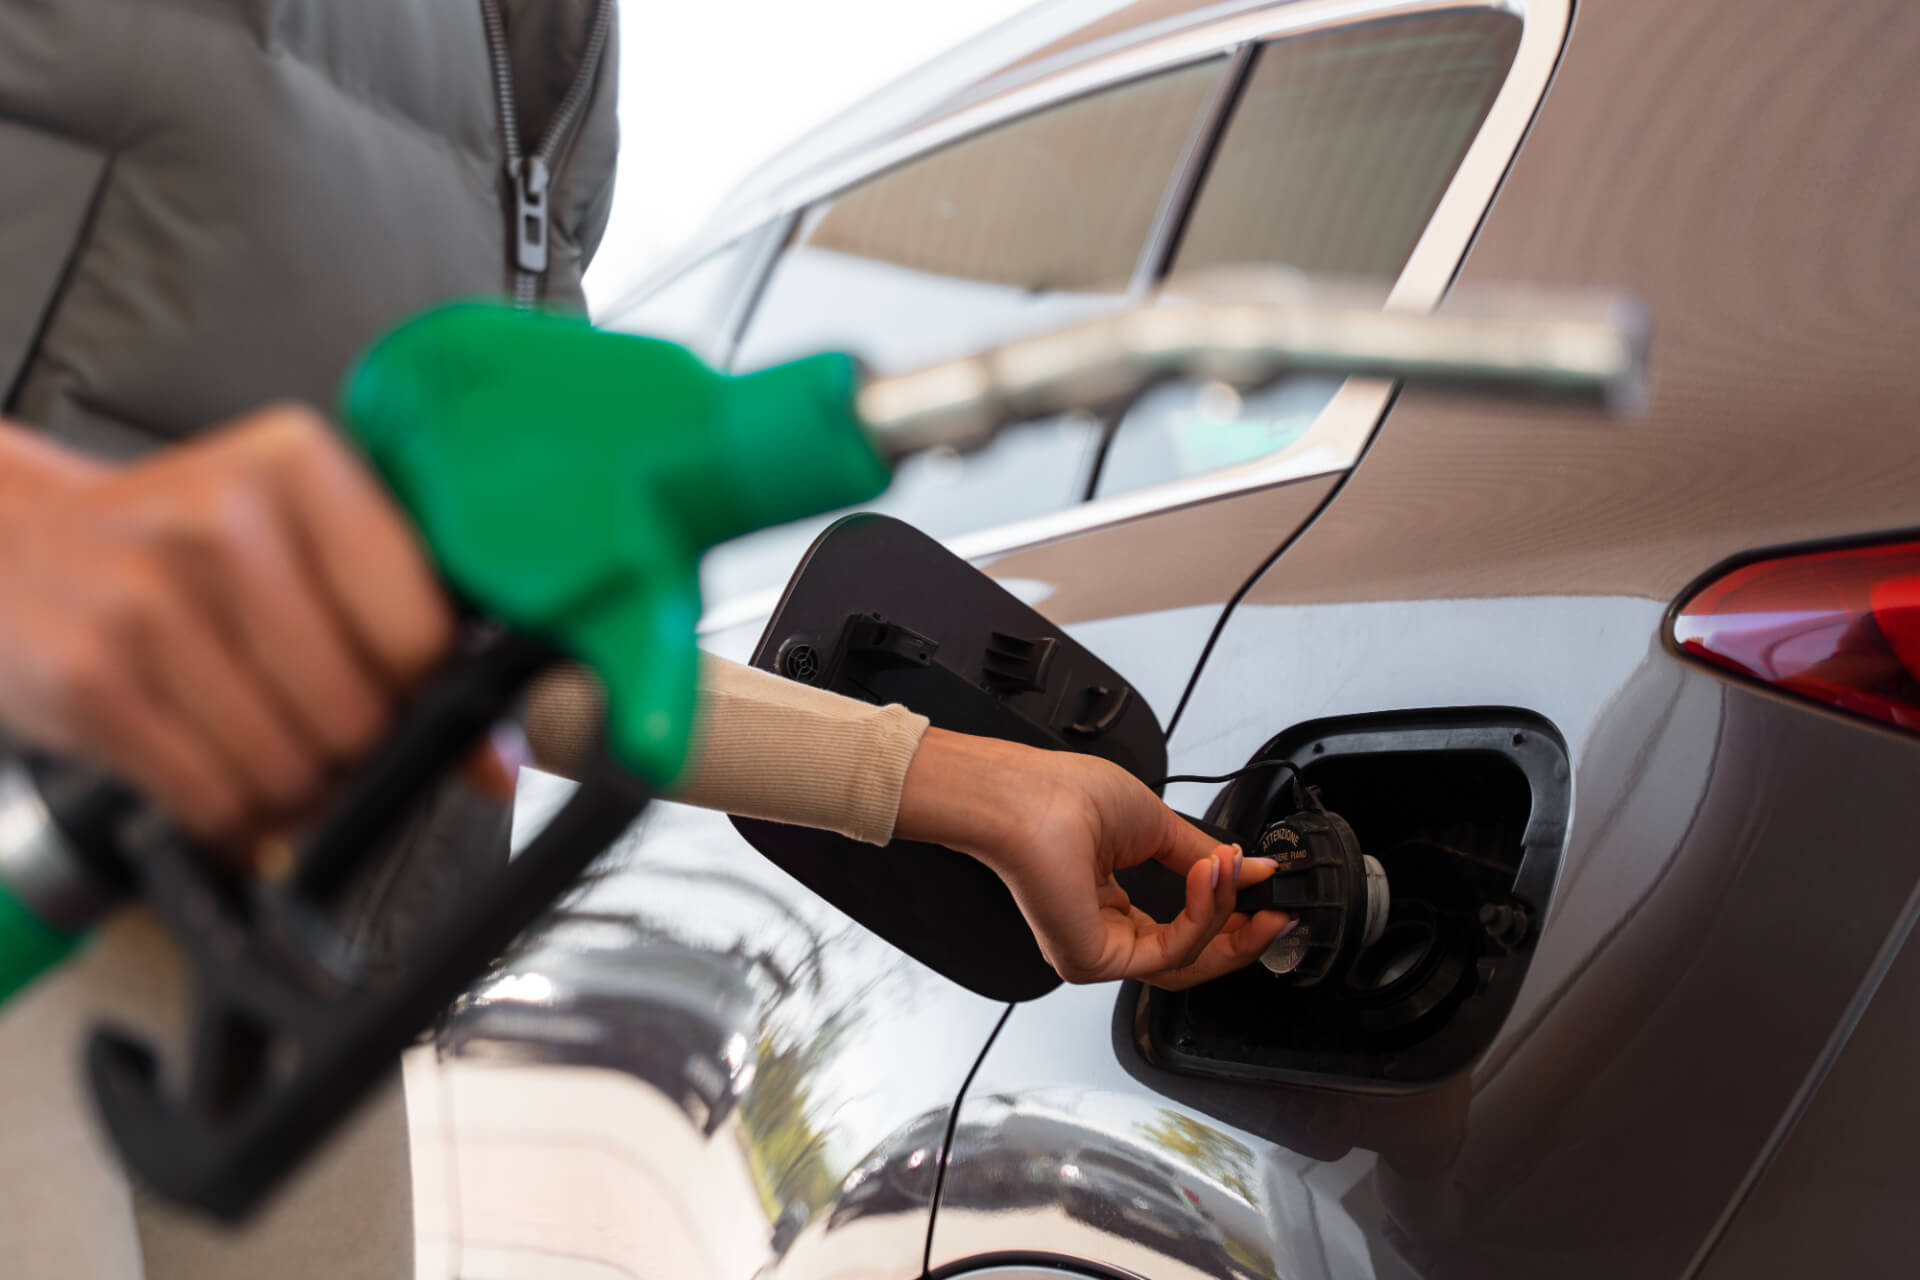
(969, 793)
(767, 747)
(764, 747)
(1055, 826)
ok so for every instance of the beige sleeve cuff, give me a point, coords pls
(763, 747)
(767, 747)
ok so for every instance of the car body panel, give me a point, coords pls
(1758, 213)
(614, 1151)
(1738, 861)
(1050, 1090)
(1838, 1197)
(1145, 594)
(1177, 559)
(1693, 983)
(1663, 1012)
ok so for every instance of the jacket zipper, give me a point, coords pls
(532, 175)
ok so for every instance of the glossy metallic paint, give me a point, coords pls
(1694, 984)
(1738, 861)
(1676, 1005)
(1838, 1197)
(627, 1112)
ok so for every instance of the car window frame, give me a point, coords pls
(1333, 444)
(1178, 188)
(760, 246)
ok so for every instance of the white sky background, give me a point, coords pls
(710, 89)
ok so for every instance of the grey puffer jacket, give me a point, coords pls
(208, 205)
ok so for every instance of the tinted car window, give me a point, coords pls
(995, 234)
(1338, 152)
(1026, 225)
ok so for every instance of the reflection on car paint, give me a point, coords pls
(780, 1046)
(1104, 1170)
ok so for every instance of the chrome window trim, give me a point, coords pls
(1210, 40)
(774, 236)
(759, 247)
(1183, 184)
(1334, 442)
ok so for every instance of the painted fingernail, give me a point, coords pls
(1287, 928)
(1238, 859)
(1216, 873)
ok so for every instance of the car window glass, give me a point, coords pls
(691, 308)
(1338, 151)
(1027, 225)
(1000, 233)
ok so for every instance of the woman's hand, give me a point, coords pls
(1055, 826)
(223, 624)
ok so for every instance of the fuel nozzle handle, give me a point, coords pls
(290, 1026)
(567, 481)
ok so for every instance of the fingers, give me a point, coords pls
(1183, 844)
(247, 564)
(314, 607)
(223, 624)
(242, 642)
(363, 552)
(1237, 945)
(189, 669)
(1210, 894)
(121, 725)
(1208, 939)
(1255, 870)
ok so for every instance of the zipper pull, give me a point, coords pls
(530, 216)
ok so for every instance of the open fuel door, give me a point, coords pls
(879, 611)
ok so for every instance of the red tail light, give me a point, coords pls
(1841, 627)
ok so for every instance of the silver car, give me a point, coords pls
(1649, 688)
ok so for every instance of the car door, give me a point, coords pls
(818, 1136)
(1375, 155)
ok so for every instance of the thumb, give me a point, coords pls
(1184, 844)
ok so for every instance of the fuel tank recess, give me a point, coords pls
(1436, 837)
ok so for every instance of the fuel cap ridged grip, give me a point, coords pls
(1326, 884)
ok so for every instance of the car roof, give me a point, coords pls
(1030, 47)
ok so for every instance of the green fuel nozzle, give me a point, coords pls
(568, 480)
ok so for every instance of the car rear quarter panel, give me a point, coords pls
(1737, 862)
(1838, 1199)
